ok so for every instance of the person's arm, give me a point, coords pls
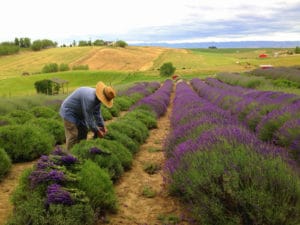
(88, 114)
(98, 116)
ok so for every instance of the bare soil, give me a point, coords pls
(134, 206)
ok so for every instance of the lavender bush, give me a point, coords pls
(5, 163)
(50, 193)
(264, 112)
(224, 172)
(159, 100)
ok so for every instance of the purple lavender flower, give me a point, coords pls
(44, 162)
(68, 160)
(95, 151)
(57, 195)
(40, 176)
(58, 151)
(159, 100)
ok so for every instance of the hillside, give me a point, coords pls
(98, 58)
(120, 66)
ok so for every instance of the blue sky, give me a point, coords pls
(142, 21)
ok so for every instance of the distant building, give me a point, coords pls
(263, 56)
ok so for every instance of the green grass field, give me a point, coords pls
(17, 86)
(188, 62)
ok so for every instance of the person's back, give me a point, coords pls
(81, 101)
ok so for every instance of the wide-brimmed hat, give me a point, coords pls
(105, 94)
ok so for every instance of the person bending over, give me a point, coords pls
(81, 112)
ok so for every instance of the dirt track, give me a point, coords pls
(7, 186)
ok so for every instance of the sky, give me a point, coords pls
(155, 21)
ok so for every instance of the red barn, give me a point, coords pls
(263, 56)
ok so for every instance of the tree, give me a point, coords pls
(46, 86)
(42, 44)
(167, 69)
(17, 42)
(37, 45)
(297, 50)
(8, 48)
(27, 42)
(121, 44)
(83, 43)
(98, 42)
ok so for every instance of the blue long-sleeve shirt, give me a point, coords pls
(82, 108)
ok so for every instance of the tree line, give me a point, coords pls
(13, 47)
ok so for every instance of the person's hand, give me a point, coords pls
(101, 131)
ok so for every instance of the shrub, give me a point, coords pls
(50, 126)
(122, 138)
(123, 154)
(106, 114)
(20, 116)
(167, 69)
(43, 111)
(124, 102)
(80, 67)
(232, 184)
(50, 68)
(134, 129)
(285, 83)
(25, 142)
(5, 163)
(115, 110)
(5, 120)
(31, 207)
(98, 186)
(64, 67)
(147, 117)
(104, 158)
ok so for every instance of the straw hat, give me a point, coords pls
(105, 94)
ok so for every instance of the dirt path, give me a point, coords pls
(8, 185)
(134, 206)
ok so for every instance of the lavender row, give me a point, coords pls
(222, 171)
(268, 114)
(144, 88)
(197, 122)
(159, 100)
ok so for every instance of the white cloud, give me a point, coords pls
(138, 19)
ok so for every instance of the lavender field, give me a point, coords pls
(231, 156)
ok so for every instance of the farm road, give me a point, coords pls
(134, 207)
